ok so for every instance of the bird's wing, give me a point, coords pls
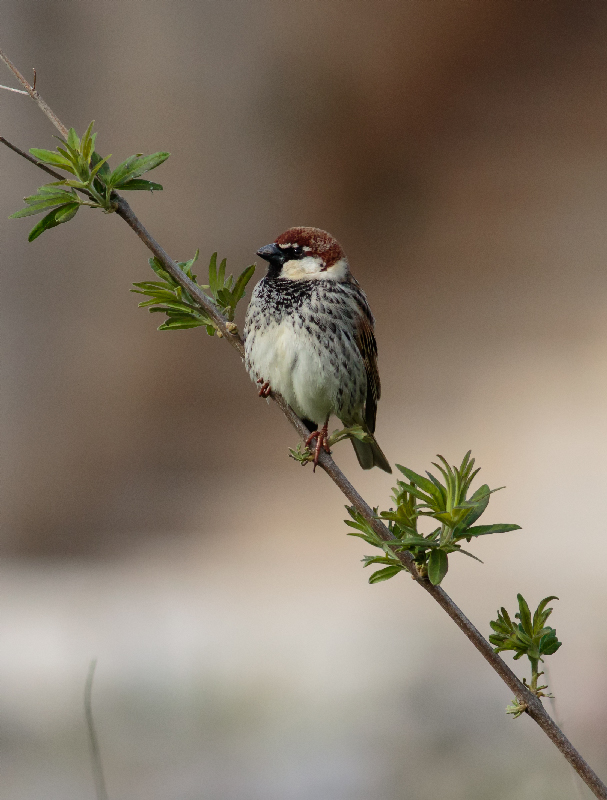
(365, 339)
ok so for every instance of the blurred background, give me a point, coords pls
(151, 517)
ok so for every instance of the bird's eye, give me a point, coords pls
(297, 251)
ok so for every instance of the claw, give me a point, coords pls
(265, 389)
(321, 437)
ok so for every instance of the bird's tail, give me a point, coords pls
(369, 454)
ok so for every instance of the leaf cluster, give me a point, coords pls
(168, 297)
(91, 176)
(444, 500)
(530, 636)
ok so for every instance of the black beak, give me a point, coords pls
(273, 254)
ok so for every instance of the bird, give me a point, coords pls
(309, 335)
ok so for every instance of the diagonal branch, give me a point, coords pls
(534, 706)
(32, 160)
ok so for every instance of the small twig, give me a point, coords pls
(32, 160)
(535, 708)
(34, 86)
(10, 89)
(96, 763)
(35, 96)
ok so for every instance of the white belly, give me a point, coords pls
(294, 366)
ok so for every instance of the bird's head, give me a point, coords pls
(306, 254)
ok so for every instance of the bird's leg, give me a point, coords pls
(321, 437)
(265, 388)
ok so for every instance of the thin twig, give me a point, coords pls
(37, 163)
(10, 89)
(35, 96)
(535, 708)
(96, 763)
(33, 160)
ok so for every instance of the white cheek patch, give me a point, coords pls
(313, 268)
(298, 269)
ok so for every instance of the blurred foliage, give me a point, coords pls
(445, 501)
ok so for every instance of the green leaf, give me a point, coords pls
(478, 502)
(367, 539)
(71, 155)
(378, 560)
(72, 140)
(180, 324)
(426, 485)
(407, 542)
(470, 555)
(186, 266)
(98, 166)
(438, 564)
(241, 284)
(483, 530)
(44, 225)
(87, 143)
(524, 615)
(175, 306)
(357, 432)
(159, 295)
(418, 493)
(121, 171)
(66, 213)
(138, 184)
(39, 208)
(222, 273)
(159, 270)
(134, 166)
(76, 184)
(385, 574)
(47, 193)
(442, 492)
(152, 286)
(101, 165)
(213, 274)
(507, 619)
(50, 188)
(52, 158)
(540, 616)
(549, 643)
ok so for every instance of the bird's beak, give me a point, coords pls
(273, 254)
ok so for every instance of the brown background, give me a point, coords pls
(151, 517)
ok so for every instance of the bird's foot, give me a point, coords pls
(265, 389)
(321, 437)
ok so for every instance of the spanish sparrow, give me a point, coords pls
(309, 335)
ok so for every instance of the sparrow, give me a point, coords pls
(309, 335)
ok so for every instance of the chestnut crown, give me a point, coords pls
(305, 254)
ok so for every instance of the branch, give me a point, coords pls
(10, 89)
(534, 706)
(32, 160)
(35, 96)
